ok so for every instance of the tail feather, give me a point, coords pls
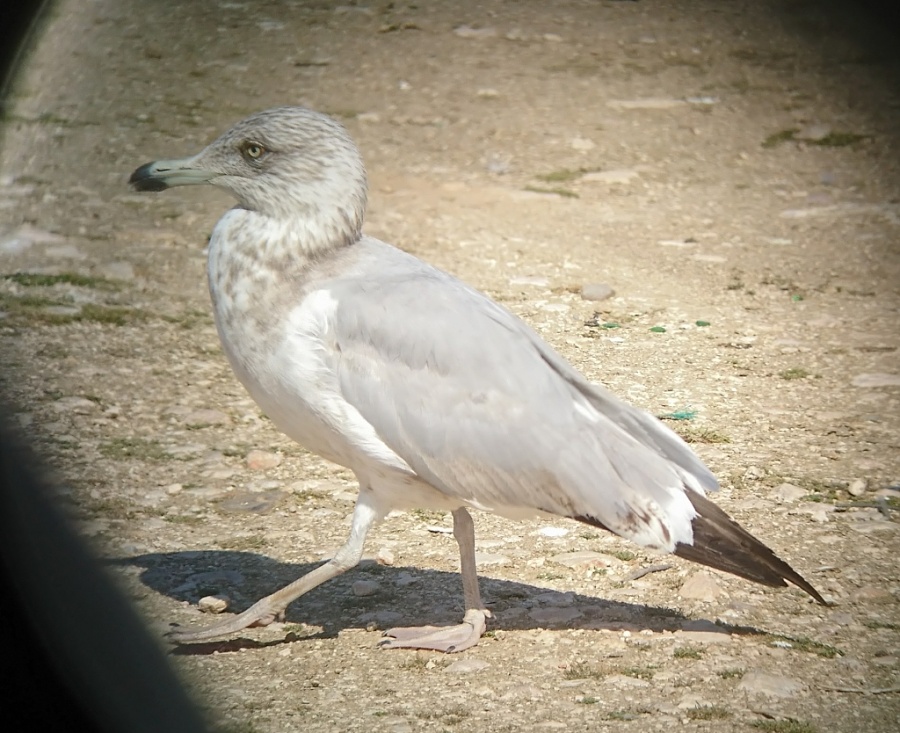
(721, 543)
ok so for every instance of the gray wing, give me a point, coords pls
(485, 411)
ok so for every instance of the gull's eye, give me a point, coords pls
(252, 151)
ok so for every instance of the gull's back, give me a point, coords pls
(401, 372)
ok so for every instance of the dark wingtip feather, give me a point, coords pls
(721, 543)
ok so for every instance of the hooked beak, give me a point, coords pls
(162, 174)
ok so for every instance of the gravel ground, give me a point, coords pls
(730, 171)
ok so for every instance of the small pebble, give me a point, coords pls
(206, 417)
(622, 175)
(465, 31)
(582, 559)
(789, 492)
(596, 291)
(384, 556)
(213, 604)
(757, 682)
(466, 666)
(813, 133)
(364, 588)
(857, 487)
(700, 587)
(78, 405)
(582, 144)
(876, 380)
(260, 460)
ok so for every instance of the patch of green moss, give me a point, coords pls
(564, 192)
(563, 175)
(41, 280)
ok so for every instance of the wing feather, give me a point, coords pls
(481, 408)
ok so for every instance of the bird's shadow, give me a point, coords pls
(402, 596)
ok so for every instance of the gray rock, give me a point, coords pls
(77, 405)
(872, 594)
(538, 282)
(582, 559)
(700, 587)
(396, 724)
(646, 103)
(582, 144)
(251, 502)
(624, 681)
(118, 270)
(702, 632)
(876, 380)
(597, 291)
(857, 487)
(757, 682)
(622, 175)
(261, 460)
(555, 598)
(483, 559)
(25, 237)
(465, 31)
(384, 556)
(381, 619)
(789, 492)
(813, 133)
(817, 511)
(61, 310)
(188, 450)
(555, 616)
(206, 417)
(466, 666)
(363, 588)
(311, 486)
(522, 692)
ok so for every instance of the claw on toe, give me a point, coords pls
(224, 628)
(446, 639)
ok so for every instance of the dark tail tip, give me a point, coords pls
(721, 543)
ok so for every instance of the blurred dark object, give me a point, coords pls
(18, 25)
(75, 654)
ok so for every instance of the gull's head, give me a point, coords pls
(284, 163)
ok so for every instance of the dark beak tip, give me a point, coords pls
(144, 179)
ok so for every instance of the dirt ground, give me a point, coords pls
(731, 170)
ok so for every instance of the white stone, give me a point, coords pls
(646, 103)
(876, 380)
(213, 604)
